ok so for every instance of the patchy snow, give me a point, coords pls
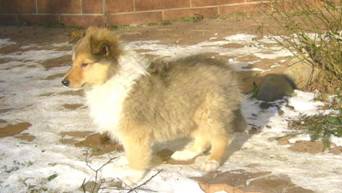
(244, 66)
(6, 42)
(63, 44)
(35, 55)
(301, 137)
(300, 103)
(250, 46)
(336, 140)
(274, 54)
(240, 38)
(28, 166)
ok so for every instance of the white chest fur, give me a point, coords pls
(106, 101)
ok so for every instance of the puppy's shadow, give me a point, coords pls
(240, 135)
(250, 120)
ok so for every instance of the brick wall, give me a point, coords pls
(111, 12)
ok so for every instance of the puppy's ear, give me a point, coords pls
(76, 35)
(105, 47)
(100, 47)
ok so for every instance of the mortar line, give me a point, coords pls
(36, 4)
(81, 6)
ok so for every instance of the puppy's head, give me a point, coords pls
(94, 59)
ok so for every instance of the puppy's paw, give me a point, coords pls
(183, 155)
(133, 177)
(207, 165)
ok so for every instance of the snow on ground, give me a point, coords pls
(27, 166)
(5, 42)
(248, 42)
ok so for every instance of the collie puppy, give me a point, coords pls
(139, 103)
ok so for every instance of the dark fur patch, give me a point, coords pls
(104, 43)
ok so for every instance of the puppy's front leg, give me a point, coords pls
(137, 145)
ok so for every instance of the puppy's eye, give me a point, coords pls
(83, 65)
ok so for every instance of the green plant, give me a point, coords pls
(322, 126)
(193, 19)
(312, 31)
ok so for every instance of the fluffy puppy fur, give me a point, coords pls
(140, 103)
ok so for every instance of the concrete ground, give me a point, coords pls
(42, 55)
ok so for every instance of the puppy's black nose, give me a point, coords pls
(65, 82)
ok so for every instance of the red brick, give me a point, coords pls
(59, 6)
(160, 4)
(176, 14)
(38, 19)
(136, 18)
(8, 20)
(17, 6)
(247, 8)
(83, 21)
(92, 6)
(199, 3)
(115, 6)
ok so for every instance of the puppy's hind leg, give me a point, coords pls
(216, 121)
(217, 150)
(199, 145)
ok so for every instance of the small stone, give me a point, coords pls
(275, 87)
(336, 150)
(312, 147)
(284, 140)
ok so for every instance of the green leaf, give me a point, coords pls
(53, 176)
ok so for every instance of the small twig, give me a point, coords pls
(96, 173)
(145, 182)
(83, 186)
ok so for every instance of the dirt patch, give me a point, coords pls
(72, 93)
(68, 93)
(78, 134)
(99, 144)
(284, 140)
(25, 137)
(47, 94)
(248, 58)
(13, 129)
(312, 147)
(281, 184)
(267, 63)
(336, 150)
(233, 45)
(9, 49)
(41, 36)
(57, 62)
(240, 181)
(55, 76)
(72, 106)
(5, 110)
(4, 60)
(73, 137)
